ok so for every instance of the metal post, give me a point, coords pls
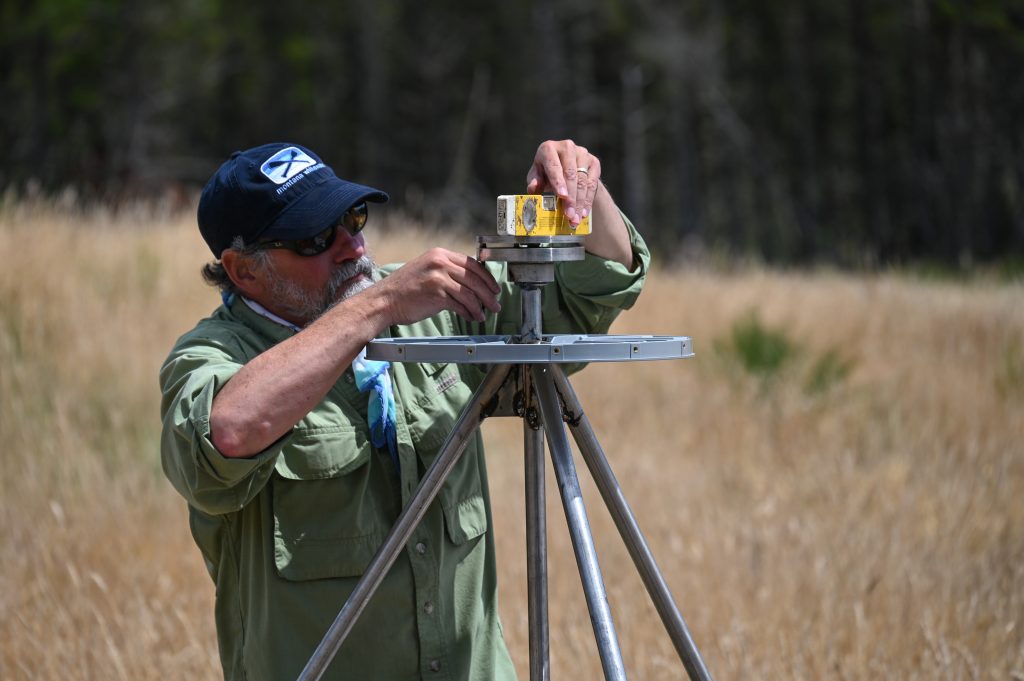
(579, 527)
(632, 537)
(410, 517)
(536, 554)
(531, 312)
(536, 516)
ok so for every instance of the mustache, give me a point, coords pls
(363, 265)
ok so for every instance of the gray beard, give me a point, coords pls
(310, 305)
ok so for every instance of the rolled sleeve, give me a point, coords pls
(210, 481)
(608, 283)
(591, 292)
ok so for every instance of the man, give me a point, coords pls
(296, 454)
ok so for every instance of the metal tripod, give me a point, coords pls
(525, 379)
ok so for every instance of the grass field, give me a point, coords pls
(833, 487)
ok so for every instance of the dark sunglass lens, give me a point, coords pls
(316, 244)
(354, 218)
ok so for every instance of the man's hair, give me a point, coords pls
(214, 273)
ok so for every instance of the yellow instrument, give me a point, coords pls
(536, 215)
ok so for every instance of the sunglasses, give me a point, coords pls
(352, 222)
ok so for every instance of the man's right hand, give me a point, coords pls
(439, 280)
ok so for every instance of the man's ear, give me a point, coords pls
(239, 268)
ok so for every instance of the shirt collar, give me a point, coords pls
(260, 310)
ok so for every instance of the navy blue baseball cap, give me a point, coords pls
(275, 191)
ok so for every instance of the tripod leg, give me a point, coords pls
(536, 517)
(579, 527)
(410, 517)
(536, 553)
(614, 498)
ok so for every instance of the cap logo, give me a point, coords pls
(286, 164)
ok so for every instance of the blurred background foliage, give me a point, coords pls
(860, 133)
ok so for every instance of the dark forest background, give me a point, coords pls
(857, 132)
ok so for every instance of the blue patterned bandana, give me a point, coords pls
(373, 377)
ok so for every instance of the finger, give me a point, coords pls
(447, 273)
(589, 188)
(464, 272)
(570, 164)
(458, 308)
(477, 283)
(551, 170)
(477, 268)
(578, 182)
(534, 180)
(472, 267)
(467, 299)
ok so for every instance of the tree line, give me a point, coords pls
(861, 132)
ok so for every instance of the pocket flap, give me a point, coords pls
(466, 520)
(326, 452)
(300, 560)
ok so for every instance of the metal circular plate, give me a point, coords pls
(499, 240)
(551, 350)
(532, 255)
(530, 249)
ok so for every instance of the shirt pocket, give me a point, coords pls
(439, 398)
(440, 378)
(466, 520)
(332, 504)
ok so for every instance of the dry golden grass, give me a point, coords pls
(874, 530)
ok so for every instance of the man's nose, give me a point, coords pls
(347, 247)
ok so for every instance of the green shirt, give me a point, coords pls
(286, 533)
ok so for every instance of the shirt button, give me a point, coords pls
(435, 665)
(428, 607)
(421, 548)
(349, 378)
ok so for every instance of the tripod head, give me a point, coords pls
(531, 259)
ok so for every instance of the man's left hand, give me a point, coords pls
(568, 170)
